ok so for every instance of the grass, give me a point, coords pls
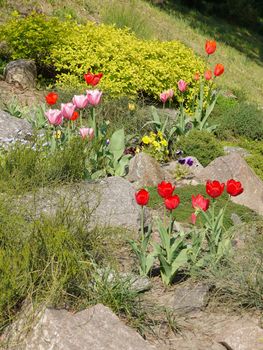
(239, 281)
(184, 211)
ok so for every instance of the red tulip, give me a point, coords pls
(74, 116)
(208, 74)
(172, 202)
(199, 202)
(234, 188)
(165, 189)
(219, 69)
(210, 46)
(92, 79)
(142, 197)
(51, 98)
(214, 188)
(197, 76)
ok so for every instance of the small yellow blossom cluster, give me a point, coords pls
(156, 145)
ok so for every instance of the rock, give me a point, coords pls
(197, 344)
(236, 219)
(234, 166)
(187, 298)
(243, 152)
(22, 73)
(145, 171)
(96, 328)
(135, 283)
(108, 202)
(13, 129)
(240, 334)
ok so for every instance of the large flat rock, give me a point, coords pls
(233, 166)
(96, 328)
(108, 202)
(13, 129)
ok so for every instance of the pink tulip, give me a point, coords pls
(54, 116)
(80, 101)
(84, 132)
(94, 97)
(164, 96)
(67, 109)
(182, 85)
(170, 92)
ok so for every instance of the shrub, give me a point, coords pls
(200, 144)
(130, 65)
(236, 119)
(255, 159)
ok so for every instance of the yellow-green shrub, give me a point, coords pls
(130, 65)
(33, 36)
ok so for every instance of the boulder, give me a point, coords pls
(233, 166)
(144, 170)
(22, 73)
(240, 334)
(187, 298)
(96, 328)
(13, 129)
(108, 202)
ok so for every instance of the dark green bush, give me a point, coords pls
(200, 144)
(235, 119)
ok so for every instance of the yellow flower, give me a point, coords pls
(146, 140)
(57, 134)
(131, 106)
(164, 143)
(160, 134)
(156, 144)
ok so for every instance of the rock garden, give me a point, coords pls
(131, 189)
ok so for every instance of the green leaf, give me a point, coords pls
(117, 144)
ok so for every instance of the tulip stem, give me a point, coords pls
(142, 222)
(80, 118)
(94, 124)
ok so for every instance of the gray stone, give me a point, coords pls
(187, 298)
(145, 171)
(108, 202)
(13, 129)
(240, 334)
(236, 219)
(233, 166)
(22, 73)
(96, 328)
(230, 149)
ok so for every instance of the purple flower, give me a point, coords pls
(181, 161)
(189, 161)
(179, 152)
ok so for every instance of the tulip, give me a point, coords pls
(165, 189)
(164, 96)
(84, 132)
(234, 188)
(80, 101)
(74, 116)
(197, 76)
(208, 74)
(172, 202)
(51, 98)
(92, 79)
(219, 69)
(214, 188)
(182, 85)
(94, 97)
(142, 197)
(170, 93)
(67, 110)
(199, 202)
(54, 116)
(210, 46)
